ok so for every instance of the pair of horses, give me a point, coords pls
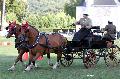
(29, 39)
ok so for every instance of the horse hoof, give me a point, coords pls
(25, 71)
(28, 68)
(11, 69)
(54, 67)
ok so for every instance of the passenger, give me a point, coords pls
(109, 34)
(110, 31)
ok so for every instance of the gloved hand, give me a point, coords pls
(73, 24)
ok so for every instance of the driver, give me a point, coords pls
(86, 24)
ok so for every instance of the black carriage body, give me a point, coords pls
(90, 49)
(92, 42)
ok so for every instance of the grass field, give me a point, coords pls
(75, 71)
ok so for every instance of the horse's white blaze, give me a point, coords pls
(56, 64)
(12, 68)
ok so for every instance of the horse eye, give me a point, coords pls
(27, 31)
(12, 30)
(6, 28)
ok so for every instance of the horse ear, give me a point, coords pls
(26, 22)
(14, 22)
(9, 22)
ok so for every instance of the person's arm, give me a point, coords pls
(78, 22)
(106, 29)
(115, 30)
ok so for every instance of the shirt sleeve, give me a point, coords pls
(90, 22)
(106, 27)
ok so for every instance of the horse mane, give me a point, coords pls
(34, 28)
(18, 25)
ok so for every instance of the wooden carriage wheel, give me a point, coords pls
(66, 60)
(89, 59)
(99, 53)
(113, 56)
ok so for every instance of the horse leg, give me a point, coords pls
(32, 59)
(49, 61)
(34, 64)
(19, 58)
(58, 60)
(30, 64)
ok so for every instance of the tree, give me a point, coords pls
(70, 7)
(46, 6)
(18, 7)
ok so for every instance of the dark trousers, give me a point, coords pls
(81, 34)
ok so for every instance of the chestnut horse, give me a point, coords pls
(14, 29)
(40, 44)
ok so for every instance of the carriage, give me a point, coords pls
(91, 49)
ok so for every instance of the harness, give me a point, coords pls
(37, 41)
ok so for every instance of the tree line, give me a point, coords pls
(42, 13)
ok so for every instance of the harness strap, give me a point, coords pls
(43, 45)
(38, 39)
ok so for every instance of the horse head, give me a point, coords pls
(13, 29)
(24, 35)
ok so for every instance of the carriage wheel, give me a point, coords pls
(99, 53)
(89, 59)
(112, 58)
(66, 60)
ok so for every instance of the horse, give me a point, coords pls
(40, 44)
(14, 29)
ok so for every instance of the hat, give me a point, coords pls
(110, 22)
(86, 14)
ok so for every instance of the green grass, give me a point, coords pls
(75, 71)
(4, 39)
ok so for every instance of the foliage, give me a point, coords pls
(39, 13)
(46, 6)
(58, 20)
(18, 7)
(11, 17)
(70, 7)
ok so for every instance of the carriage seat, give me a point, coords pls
(90, 38)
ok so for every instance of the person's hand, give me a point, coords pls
(73, 24)
(88, 27)
(105, 32)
